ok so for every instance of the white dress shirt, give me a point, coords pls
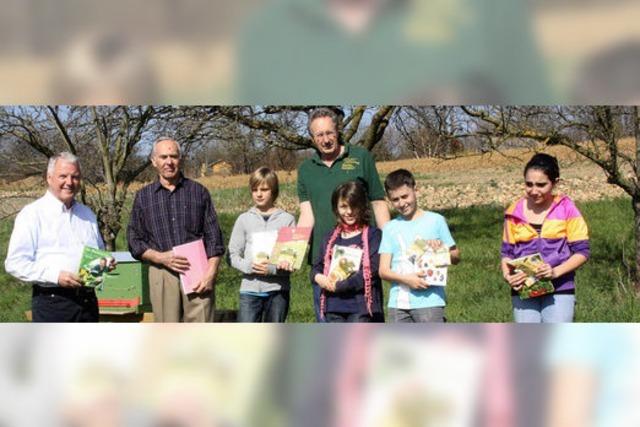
(48, 238)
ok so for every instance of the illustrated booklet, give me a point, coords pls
(432, 262)
(345, 261)
(532, 286)
(262, 245)
(291, 246)
(94, 264)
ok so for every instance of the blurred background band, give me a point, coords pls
(366, 51)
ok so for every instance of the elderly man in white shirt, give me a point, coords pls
(46, 245)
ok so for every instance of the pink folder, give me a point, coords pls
(195, 253)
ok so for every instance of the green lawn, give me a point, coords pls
(476, 292)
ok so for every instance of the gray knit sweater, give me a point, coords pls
(239, 254)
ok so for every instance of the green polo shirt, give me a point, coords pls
(293, 52)
(316, 183)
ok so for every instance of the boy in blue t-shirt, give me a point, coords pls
(411, 299)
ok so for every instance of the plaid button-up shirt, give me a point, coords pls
(162, 219)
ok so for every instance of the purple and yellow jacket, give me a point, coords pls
(564, 233)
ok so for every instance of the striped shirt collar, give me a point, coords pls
(157, 186)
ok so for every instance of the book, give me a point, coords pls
(291, 246)
(199, 264)
(432, 262)
(433, 265)
(262, 244)
(94, 265)
(532, 286)
(345, 261)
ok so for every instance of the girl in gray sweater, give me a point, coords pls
(265, 289)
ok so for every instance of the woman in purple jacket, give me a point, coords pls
(550, 225)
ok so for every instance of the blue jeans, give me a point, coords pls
(317, 291)
(417, 315)
(271, 308)
(552, 308)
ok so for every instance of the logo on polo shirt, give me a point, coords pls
(350, 163)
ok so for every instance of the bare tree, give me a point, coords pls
(594, 132)
(432, 131)
(112, 142)
(285, 127)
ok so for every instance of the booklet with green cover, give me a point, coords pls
(94, 264)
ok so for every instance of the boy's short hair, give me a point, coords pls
(264, 175)
(397, 179)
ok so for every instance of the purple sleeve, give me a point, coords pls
(581, 247)
(506, 250)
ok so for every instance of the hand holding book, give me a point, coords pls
(260, 267)
(325, 282)
(530, 276)
(416, 280)
(544, 271)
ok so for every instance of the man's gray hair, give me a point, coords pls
(65, 156)
(321, 112)
(165, 138)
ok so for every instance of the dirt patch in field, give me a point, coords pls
(490, 178)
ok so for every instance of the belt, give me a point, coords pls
(81, 291)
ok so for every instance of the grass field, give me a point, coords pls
(476, 292)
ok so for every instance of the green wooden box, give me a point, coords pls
(126, 289)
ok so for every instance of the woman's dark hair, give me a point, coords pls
(546, 164)
(355, 194)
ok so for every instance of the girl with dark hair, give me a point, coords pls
(358, 297)
(550, 225)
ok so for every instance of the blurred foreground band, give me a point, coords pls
(245, 375)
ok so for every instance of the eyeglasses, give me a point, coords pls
(329, 133)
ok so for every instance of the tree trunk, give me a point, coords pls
(636, 199)
(110, 243)
(636, 222)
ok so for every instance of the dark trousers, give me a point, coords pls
(55, 304)
(353, 318)
(272, 308)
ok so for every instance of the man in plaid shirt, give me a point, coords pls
(169, 212)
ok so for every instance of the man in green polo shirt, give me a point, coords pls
(332, 164)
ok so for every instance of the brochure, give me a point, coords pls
(432, 262)
(532, 286)
(262, 244)
(94, 264)
(344, 262)
(199, 264)
(291, 246)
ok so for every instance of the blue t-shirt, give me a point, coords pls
(397, 237)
